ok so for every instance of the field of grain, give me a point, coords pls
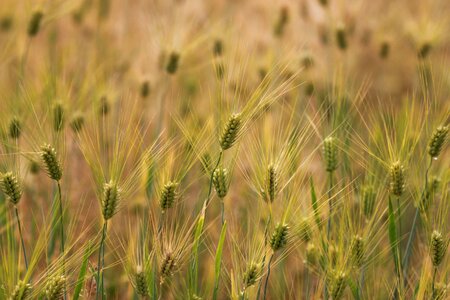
(224, 149)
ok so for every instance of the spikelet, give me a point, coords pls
(35, 23)
(368, 200)
(437, 141)
(220, 181)
(438, 248)
(440, 291)
(305, 230)
(11, 187)
(271, 183)
(279, 237)
(337, 285)
(15, 128)
(168, 195)
(251, 274)
(54, 289)
(110, 199)
(58, 116)
(397, 179)
(22, 291)
(77, 122)
(357, 251)
(51, 162)
(341, 37)
(230, 131)
(167, 267)
(172, 64)
(312, 255)
(330, 153)
(140, 282)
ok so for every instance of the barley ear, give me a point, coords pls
(397, 179)
(35, 23)
(279, 237)
(437, 141)
(51, 162)
(220, 181)
(438, 248)
(330, 154)
(110, 200)
(11, 187)
(15, 128)
(168, 195)
(21, 291)
(357, 249)
(140, 282)
(230, 131)
(54, 289)
(251, 275)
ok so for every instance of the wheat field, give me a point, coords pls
(224, 149)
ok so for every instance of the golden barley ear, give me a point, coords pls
(437, 141)
(397, 179)
(11, 187)
(51, 162)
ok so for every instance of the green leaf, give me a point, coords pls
(193, 272)
(218, 260)
(82, 274)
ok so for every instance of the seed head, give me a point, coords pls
(58, 116)
(11, 187)
(384, 49)
(312, 254)
(397, 179)
(337, 285)
(357, 251)
(168, 195)
(271, 184)
(279, 237)
(305, 230)
(51, 162)
(437, 141)
(330, 153)
(140, 282)
(145, 89)
(172, 64)
(104, 106)
(35, 23)
(22, 291)
(167, 268)
(341, 37)
(34, 167)
(424, 50)
(111, 197)
(218, 47)
(77, 122)
(220, 181)
(438, 248)
(368, 199)
(251, 274)
(54, 289)
(230, 132)
(15, 128)
(283, 19)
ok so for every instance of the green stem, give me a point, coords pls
(330, 194)
(208, 198)
(62, 234)
(433, 283)
(100, 256)
(21, 237)
(268, 274)
(266, 229)
(222, 213)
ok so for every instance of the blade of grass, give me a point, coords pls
(82, 274)
(218, 260)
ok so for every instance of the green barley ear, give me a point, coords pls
(168, 195)
(51, 162)
(77, 122)
(58, 116)
(341, 37)
(397, 179)
(11, 187)
(279, 237)
(312, 255)
(218, 47)
(330, 153)
(110, 200)
(34, 167)
(15, 128)
(54, 289)
(172, 64)
(424, 50)
(337, 285)
(282, 21)
(440, 291)
(145, 89)
(357, 249)
(271, 185)
(368, 196)
(140, 282)
(35, 23)
(220, 181)
(104, 106)
(438, 248)
(437, 141)
(230, 131)
(305, 230)
(384, 49)
(22, 291)
(167, 268)
(251, 274)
